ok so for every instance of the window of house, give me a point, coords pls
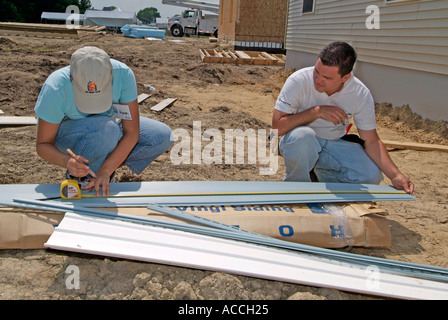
(308, 6)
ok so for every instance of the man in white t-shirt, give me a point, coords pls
(311, 115)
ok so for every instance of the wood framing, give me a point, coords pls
(241, 57)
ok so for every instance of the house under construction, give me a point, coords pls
(253, 24)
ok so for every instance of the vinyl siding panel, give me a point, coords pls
(413, 34)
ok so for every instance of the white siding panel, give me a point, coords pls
(412, 34)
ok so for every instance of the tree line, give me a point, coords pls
(30, 11)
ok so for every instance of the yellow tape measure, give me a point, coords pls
(70, 189)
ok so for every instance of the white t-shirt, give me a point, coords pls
(299, 94)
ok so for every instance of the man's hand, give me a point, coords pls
(331, 113)
(378, 153)
(78, 166)
(102, 181)
(285, 122)
(401, 182)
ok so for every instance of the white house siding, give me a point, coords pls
(405, 61)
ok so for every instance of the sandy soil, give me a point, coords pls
(221, 96)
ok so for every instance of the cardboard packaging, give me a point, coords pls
(321, 225)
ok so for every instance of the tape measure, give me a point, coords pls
(70, 189)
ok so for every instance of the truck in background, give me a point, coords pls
(194, 21)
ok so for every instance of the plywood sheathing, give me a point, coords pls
(252, 20)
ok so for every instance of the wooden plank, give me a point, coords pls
(271, 58)
(415, 146)
(208, 56)
(162, 105)
(37, 27)
(280, 57)
(202, 54)
(226, 54)
(12, 32)
(242, 54)
(142, 97)
(40, 29)
(218, 54)
(17, 121)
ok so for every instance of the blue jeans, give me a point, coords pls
(95, 137)
(332, 160)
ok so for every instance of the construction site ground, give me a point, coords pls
(220, 96)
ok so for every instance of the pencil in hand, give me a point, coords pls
(70, 152)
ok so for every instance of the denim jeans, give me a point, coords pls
(332, 160)
(95, 137)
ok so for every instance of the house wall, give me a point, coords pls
(253, 23)
(228, 10)
(405, 61)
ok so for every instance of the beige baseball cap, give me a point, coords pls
(91, 76)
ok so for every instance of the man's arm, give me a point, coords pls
(376, 150)
(46, 149)
(285, 122)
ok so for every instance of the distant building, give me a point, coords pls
(111, 19)
(59, 17)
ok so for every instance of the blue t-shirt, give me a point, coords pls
(56, 101)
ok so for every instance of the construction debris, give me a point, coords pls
(162, 105)
(17, 121)
(242, 57)
(142, 97)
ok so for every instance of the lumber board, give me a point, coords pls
(162, 105)
(414, 146)
(143, 96)
(242, 54)
(241, 57)
(17, 121)
(45, 29)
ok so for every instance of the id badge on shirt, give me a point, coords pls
(122, 111)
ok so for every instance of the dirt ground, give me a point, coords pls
(221, 96)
